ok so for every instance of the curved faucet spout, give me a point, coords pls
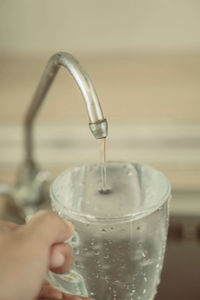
(98, 124)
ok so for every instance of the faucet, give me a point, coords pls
(31, 188)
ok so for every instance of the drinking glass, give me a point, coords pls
(120, 235)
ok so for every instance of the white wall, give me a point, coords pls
(100, 25)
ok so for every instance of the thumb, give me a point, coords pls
(48, 228)
(27, 265)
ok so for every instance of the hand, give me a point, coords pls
(27, 252)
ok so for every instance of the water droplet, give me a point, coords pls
(144, 253)
(96, 252)
(106, 267)
(144, 291)
(147, 262)
(88, 254)
(157, 266)
(116, 282)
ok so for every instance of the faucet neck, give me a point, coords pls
(97, 122)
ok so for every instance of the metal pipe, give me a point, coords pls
(98, 124)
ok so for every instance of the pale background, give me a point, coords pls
(92, 26)
(144, 60)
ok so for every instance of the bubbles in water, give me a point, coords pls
(120, 256)
(157, 266)
(117, 282)
(130, 173)
(106, 267)
(96, 246)
(147, 262)
(139, 254)
(88, 254)
(144, 253)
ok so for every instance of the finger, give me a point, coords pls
(73, 297)
(8, 226)
(48, 291)
(49, 228)
(61, 258)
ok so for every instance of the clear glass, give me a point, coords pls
(120, 237)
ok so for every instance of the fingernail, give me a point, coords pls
(57, 260)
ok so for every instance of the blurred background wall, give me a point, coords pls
(92, 26)
(144, 60)
(144, 52)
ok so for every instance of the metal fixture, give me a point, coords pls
(28, 194)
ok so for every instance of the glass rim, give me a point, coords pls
(92, 218)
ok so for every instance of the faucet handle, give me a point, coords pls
(29, 194)
(31, 190)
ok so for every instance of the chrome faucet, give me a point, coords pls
(29, 193)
